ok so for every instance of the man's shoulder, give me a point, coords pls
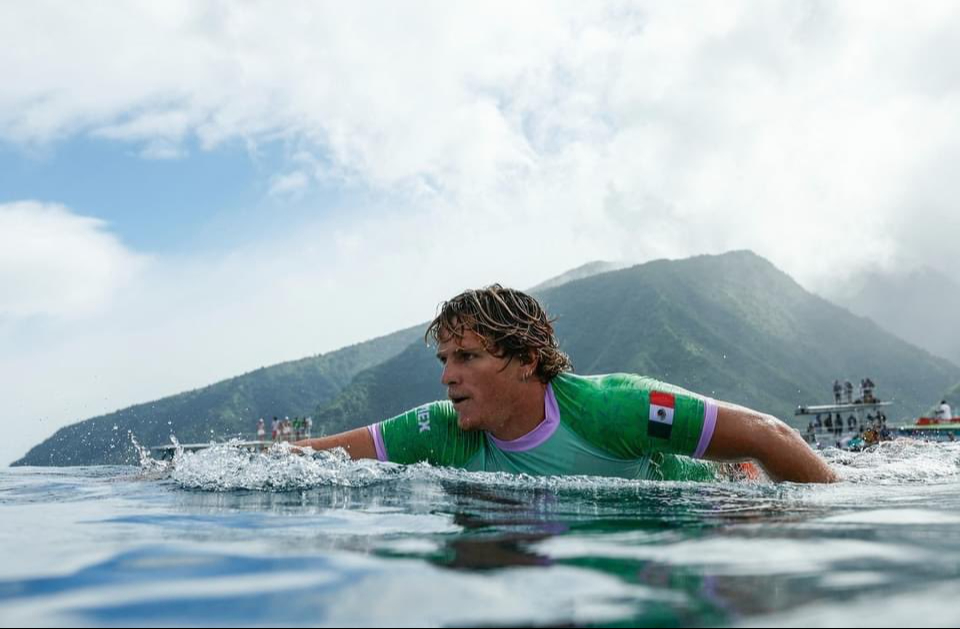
(429, 432)
(433, 419)
(601, 382)
(583, 397)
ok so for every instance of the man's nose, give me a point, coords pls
(449, 375)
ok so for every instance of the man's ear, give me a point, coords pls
(529, 358)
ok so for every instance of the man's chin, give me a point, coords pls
(466, 423)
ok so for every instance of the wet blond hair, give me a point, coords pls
(512, 324)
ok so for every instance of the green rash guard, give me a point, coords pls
(612, 425)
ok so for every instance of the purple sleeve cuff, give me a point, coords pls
(709, 424)
(378, 441)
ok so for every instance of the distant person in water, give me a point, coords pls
(514, 405)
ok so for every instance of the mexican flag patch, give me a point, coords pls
(661, 415)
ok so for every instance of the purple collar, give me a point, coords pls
(538, 435)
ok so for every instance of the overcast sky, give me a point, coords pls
(191, 190)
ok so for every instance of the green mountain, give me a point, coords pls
(584, 270)
(731, 326)
(222, 410)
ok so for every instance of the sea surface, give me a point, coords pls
(227, 537)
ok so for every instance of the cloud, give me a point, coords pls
(289, 183)
(674, 128)
(56, 263)
(494, 142)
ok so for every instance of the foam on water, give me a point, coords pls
(898, 462)
(230, 467)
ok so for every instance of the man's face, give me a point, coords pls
(484, 389)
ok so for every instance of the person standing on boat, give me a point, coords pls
(848, 390)
(944, 412)
(837, 391)
(514, 406)
(261, 430)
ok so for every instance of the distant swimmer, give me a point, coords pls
(515, 406)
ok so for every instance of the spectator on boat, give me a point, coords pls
(852, 423)
(867, 392)
(848, 390)
(944, 412)
(307, 427)
(275, 429)
(837, 391)
(261, 430)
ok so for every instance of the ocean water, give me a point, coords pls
(225, 537)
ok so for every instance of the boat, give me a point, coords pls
(862, 423)
(164, 453)
(932, 429)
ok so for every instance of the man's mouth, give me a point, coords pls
(457, 399)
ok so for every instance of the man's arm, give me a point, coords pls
(742, 433)
(358, 443)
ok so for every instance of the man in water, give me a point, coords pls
(515, 406)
